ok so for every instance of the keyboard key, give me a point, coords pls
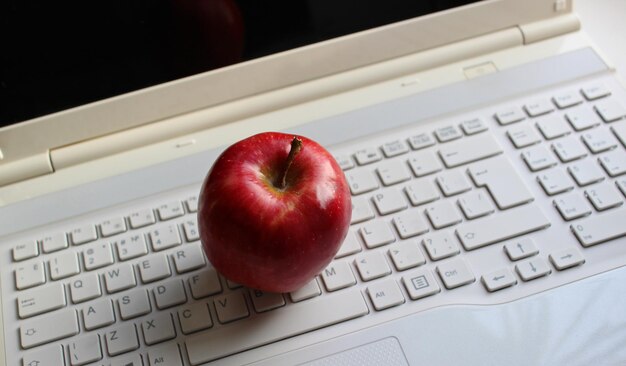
(134, 303)
(85, 287)
(260, 330)
(448, 133)
(455, 273)
(205, 283)
(532, 269)
(520, 249)
(112, 227)
(572, 206)
(84, 234)
(385, 294)
(567, 99)
(29, 275)
(440, 245)
(506, 225)
(610, 110)
(582, 118)
(50, 356)
(585, 172)
(619, 130)
(189, 258)
(122, 339)
(410, 224)
(25, 250)
(120, 278)
(604, 196)
(131, 246)
(443, 214)
(598, 140)
(523, 135)
(54, 242)
(468, 150)
(453, 182)
(167, 354)
(421, 141)
(231, 307)
(566, 258)
(376, 233)
(350, 246)
(393, 172)
(389, 201)
(192, 204)
(170, 210)
(126, 360)
(337, 276)
(475, 204)
(41, 300)
(190, 228)
(555, 181)
(98, 314)
(85, 350)
(421, 191)
(63, 265)
(154, 268)
(553, 126)
(194, 317)
(498, 280)
(420, 283)
(361, 210)
(372, 265)
(595, 91)
(395, 148)
(169, 293)
(569, 148)
(361, 181)
(621, 184)
(142, 218)
(344, 161)
(97, 256)
(424, 163)
(538, 158)
(49, 328)
(164, 237)
(538, 108)
(502, 181)
(473, 126)
(509, 116)
(158, 328)
(266, 301)
(308, 291)
(406, 254)
(599, 229)
(614, 162)
(367, 156)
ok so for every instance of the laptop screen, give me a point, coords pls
(64, 54)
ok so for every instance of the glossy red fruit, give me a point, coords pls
(268, 234)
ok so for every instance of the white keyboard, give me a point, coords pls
(485, 207)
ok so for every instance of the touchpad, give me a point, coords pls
(383, 352)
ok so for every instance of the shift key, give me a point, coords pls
(45, 329)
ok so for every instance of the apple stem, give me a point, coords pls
(296, 146)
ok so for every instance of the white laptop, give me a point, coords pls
(485, 149)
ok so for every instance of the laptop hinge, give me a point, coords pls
(25, 168)
(553, 27)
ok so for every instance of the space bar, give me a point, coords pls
(273, 326)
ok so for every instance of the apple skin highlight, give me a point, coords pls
(266, 237)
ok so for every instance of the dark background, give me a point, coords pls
(56, 55)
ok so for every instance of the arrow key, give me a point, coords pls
(497, 280)
(520, 249)
(532, 268)
(567, 258)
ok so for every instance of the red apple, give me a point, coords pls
(273, 211)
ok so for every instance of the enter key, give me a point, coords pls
(502, 181)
